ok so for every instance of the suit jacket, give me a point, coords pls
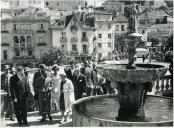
(36, 76)
(69, 74)
(87, 72)
(5, 83)
(79, 85)
(19, 88)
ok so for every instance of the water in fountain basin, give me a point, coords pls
(156, 109)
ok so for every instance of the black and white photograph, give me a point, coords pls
(86, 63)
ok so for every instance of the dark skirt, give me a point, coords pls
(62, 103)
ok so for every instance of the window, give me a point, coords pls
(41, 27)
(99, 35)
(40, 14)
(117, 28)
(109, 35)
(143, 31)
(63, 47)
(30, 53)
(63, 33)
(122, 28)
(5, 54)
(84, 48)
(83, 34)
(28, 26)
(22, 40)
(16, 40)
(74, 47)
(14, 27)
(99, 45)
(4, 39)
(3, 27)
(57, 4)
(109, 45)
(109, 26)
(41, 39)
(28, 39)
(47, 3)
(17, 52)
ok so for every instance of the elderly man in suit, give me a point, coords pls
(19, 92)
(80, 84)
(5, 85)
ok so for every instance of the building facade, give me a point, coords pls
(156, 24)
(25, 37)
(109, 28)
(73, 37)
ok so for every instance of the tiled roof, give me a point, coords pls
(153, 13)
(121, 18)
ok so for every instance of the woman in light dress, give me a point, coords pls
(66, 96)
(55, 92)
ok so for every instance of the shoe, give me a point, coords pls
(50, 118)
(25, 123)
(12, 119)
(43, 120)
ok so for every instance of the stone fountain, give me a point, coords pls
(131, 106)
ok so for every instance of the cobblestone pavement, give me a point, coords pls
(34, 120)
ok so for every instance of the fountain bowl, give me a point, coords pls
(102, 110)
(143, 72)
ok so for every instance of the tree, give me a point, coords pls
(53, 55)
(169, 43)
(154, 41)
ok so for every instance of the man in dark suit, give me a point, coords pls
(19, 93)
(79, 82)
(5, 85)
(86, 70)
(69, 72)
(37, 75)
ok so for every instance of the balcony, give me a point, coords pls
(86, 52)
(74, 39)
(41, 31)
(85, 39)
(73, 28)
(23, 57)
(5, 44)
(64, 40)
(42, 44)
(73, 52)
(4, 31)
(23, 45)
(23, 31)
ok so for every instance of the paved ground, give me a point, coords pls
(34, 120)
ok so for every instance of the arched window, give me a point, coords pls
(22, 40)
(28, 39)
(16, 40)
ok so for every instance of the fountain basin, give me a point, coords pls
(102, 110)
(143, 72)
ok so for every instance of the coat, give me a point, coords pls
(36, 76)
(80, 84)
(5, 85)
(19, 88)
(69, 74)
(88, 73)
(68, 91)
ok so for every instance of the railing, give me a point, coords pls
(74, 39)
(64, 40)
(23, 31)
(163, 87)
(74, 52)
(42, 44)
(41, 31)
(5, 44)
(23, 45)
(84, 38)
(23, 57)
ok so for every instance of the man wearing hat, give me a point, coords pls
(37, 75)
(5, 85)
(69, 72)
(19, 93)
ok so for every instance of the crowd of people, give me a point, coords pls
(50, 89)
